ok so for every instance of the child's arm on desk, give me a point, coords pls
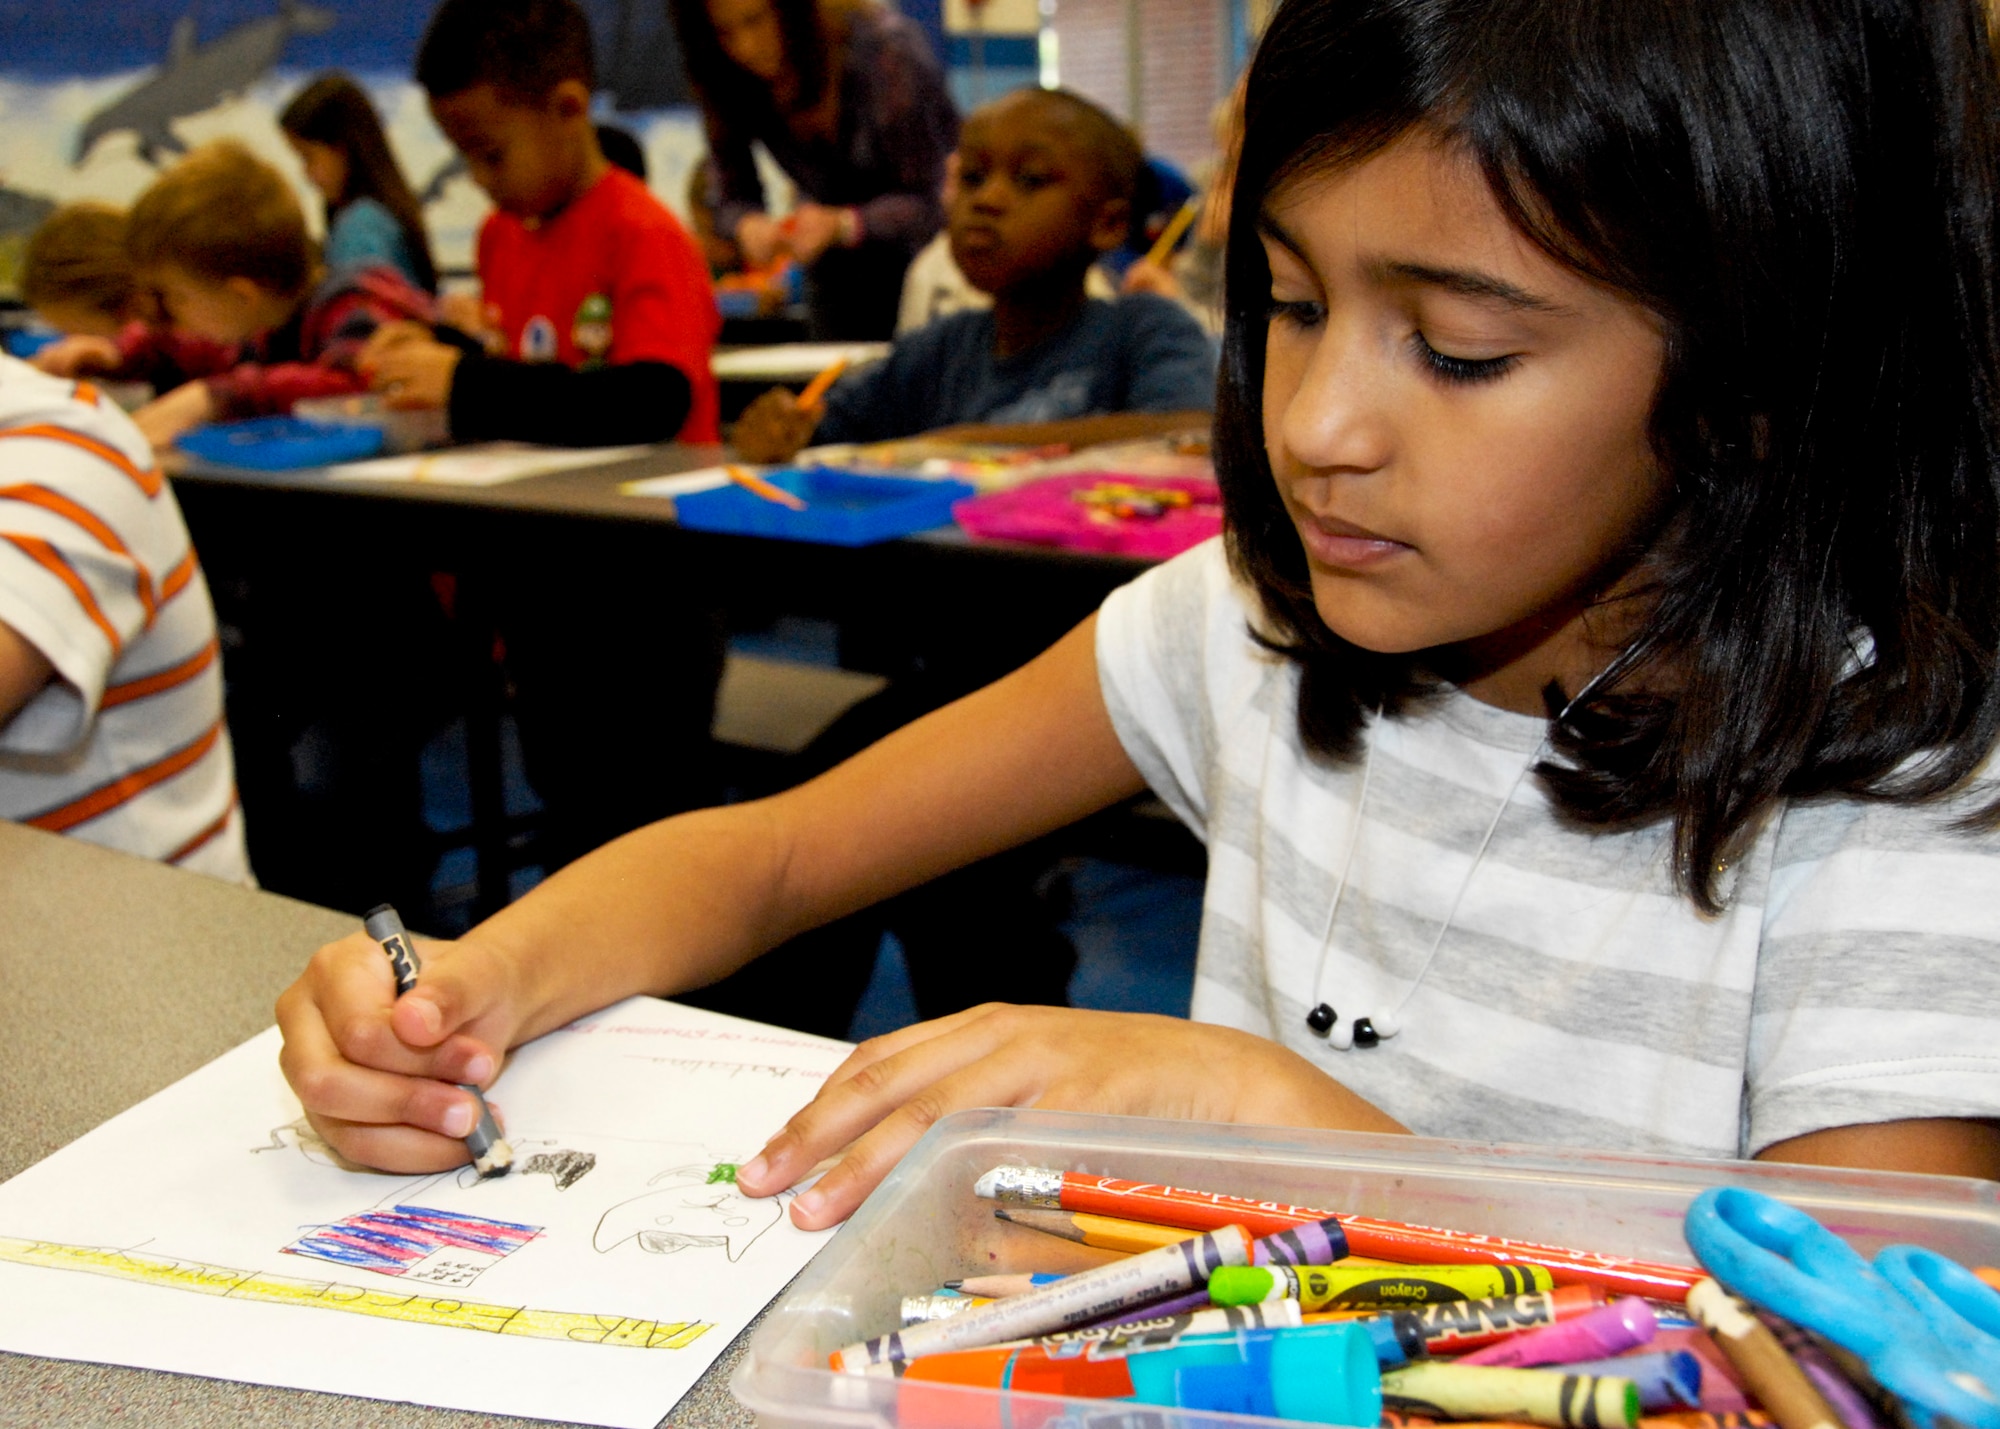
(682, 903)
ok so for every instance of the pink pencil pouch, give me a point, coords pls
(1151, 517)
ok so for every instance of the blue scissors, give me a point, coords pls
(1927, 1329)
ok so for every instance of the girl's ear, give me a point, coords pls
(1113, 224)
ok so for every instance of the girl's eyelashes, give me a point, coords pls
(1461, 371)
(1302, 313)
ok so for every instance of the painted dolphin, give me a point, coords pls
(197, 77)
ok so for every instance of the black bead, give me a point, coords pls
(1320, 1019)
(1365, 1034)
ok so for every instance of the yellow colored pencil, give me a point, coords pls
(755, 484)
(816, 389)
(1171, 234)
(1103, 1232)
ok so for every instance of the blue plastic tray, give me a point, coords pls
(842, 508)
(281, 443)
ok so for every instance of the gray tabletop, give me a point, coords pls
(117, 977)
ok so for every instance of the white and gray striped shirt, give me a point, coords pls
(1575, 998)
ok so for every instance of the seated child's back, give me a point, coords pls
(110, 680)
(1044, 187)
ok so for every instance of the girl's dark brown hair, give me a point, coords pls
(333, 110)
(1804, 193)
(812, 31)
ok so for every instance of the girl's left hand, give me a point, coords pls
(891, 1089)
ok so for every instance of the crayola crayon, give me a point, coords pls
(1540, 1396)
(1451, 1326)
(1319, 1287)
(1074, 1300)
(1624, 1324)
(938, 1305)
(1698, 1419)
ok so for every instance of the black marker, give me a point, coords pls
(491, 1155)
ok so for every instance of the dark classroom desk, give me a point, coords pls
(950, 610)
(121, 976)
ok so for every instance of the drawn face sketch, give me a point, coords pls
(694, 1206)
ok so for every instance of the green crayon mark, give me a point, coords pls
(724, 1171)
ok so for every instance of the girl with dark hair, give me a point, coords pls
(1590, 709)
(850, 102)
(372, 216)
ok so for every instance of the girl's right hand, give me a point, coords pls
(774, 427)
(78, 355)
(378, 1074)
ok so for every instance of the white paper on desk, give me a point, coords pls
(160, 1239)
(683, 483)
(783, 361)
(483, 464)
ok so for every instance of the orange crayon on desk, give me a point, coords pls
(756, 485)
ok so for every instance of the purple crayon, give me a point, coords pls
(1622, 1325)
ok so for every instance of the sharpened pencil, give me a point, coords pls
(816, 389)
(756, 485)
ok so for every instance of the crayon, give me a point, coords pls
(1307, 1244)
(1767, 1370)
(1700, 1419)
(1103, 1232)
(999, 1287)
(1989, 1275)
(1365, 1235)
(1822, 1368)
(1451, 1326)
(1622, 1325)
(938, 1305)
(491, 1155)
(756, 485)
(1720, 1391)
(1668, 1381)
(1321, 1287)
(1074, 1300)
(1540, 1396)
(1134, 1335)
(816, 389)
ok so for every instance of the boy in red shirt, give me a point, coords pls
(601, 302)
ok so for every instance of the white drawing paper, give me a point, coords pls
(208, 1231)
(482, 464)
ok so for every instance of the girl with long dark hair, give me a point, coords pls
(372, 216)
(1591, 707)
(850, 102)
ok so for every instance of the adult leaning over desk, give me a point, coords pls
(850, 102)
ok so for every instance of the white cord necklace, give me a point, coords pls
(1365, 1032)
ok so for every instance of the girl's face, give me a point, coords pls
(325, 166)
(1456, 422)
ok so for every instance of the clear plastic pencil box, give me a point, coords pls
(923, 1226)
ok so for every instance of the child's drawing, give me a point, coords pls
(694, 1206)
(437, 1247)
(448, 1312)
(565, 1168)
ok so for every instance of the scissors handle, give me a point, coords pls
(1782, 1259)
(1962, 1311)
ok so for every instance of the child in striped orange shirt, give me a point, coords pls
(110, 684)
